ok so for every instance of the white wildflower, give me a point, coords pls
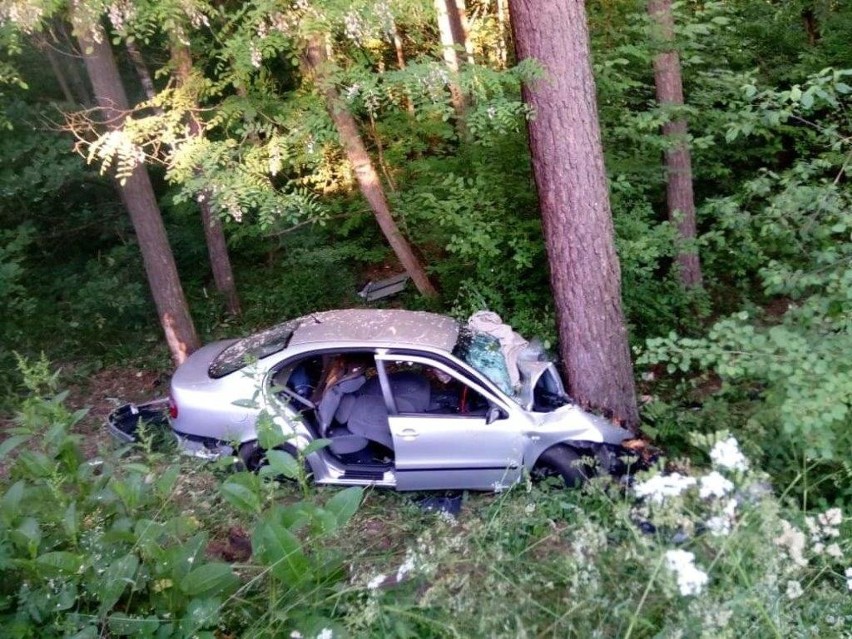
(818, 548)
(719, 526)
(325, 633)
(529, 509)
(794, 590)
(831, 517)
(727, 454)
(406, 567)
(256, 57)
(375, 582)
(848, 575)
(659, 487)
(690, 580)
(793, 540)
(833, 550)
(714, 485)
(296, 635)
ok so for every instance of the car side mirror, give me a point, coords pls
(493, 415)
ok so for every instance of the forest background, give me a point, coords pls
(228, 115)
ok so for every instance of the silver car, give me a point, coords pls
(403, 397)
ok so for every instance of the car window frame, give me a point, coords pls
(441, 363)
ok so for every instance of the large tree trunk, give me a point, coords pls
(214, 234)
(138, 196)
(679, 195)
(568, 166)
(142, 71)
(452, 45)
(365, 172)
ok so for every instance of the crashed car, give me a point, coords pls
(406, 399)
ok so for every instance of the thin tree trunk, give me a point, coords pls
(400, 61)
(137, 194)
(214, 233)
(568, 166)
(502, 19)
(72, 66)
(365, 172)
(465, 23)
(141, 68)
(679, 195)
(56, 67)
(452, 46)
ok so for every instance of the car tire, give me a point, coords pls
(565, 463)
(253, 457)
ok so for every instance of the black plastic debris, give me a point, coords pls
(123, 422)
(449, 504)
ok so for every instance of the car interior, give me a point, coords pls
(340, 397)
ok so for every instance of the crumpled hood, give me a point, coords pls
(579, 424)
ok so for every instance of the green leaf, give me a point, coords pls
(166, 482)
(240, 495)
(12, 497)
(11, 443)
(279, 549)
(283, 463)
(125, 625)
(60, 562)
(200, 613)
(116, 578)
(209, 580)
(345, 503)
(317, 444)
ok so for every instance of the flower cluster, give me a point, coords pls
(824, 531)
(658, 488)
(726, 454)
(690, 579)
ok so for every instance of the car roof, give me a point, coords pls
(393, 327)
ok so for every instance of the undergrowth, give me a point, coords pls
(138, 542)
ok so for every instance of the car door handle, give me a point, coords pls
(409, 433)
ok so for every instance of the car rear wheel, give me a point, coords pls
(253, 457)
(565, 463)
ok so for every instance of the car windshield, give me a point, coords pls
(482, 352)
(257, 346)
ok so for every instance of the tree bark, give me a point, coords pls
(679, 194)
(453, 48)
(502, 19)
(568, 167)
(141, 68)
(214, 233)
(137, 194)
(365, 172)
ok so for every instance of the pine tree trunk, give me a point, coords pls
(568, 166)
(137, 194)
(452, 45)
(365, 172)
(214, 233)
(679, 195)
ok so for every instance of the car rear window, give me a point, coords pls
(237, 355)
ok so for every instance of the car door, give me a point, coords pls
(459, 435)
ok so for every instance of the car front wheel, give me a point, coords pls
(565, 463)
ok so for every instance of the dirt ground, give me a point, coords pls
(105, 391)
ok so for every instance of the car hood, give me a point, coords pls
(575, 423)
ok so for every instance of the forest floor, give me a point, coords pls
(103, 392)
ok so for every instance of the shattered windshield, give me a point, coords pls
(257, 346)
(483, 352)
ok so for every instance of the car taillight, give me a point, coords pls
(173, 409)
